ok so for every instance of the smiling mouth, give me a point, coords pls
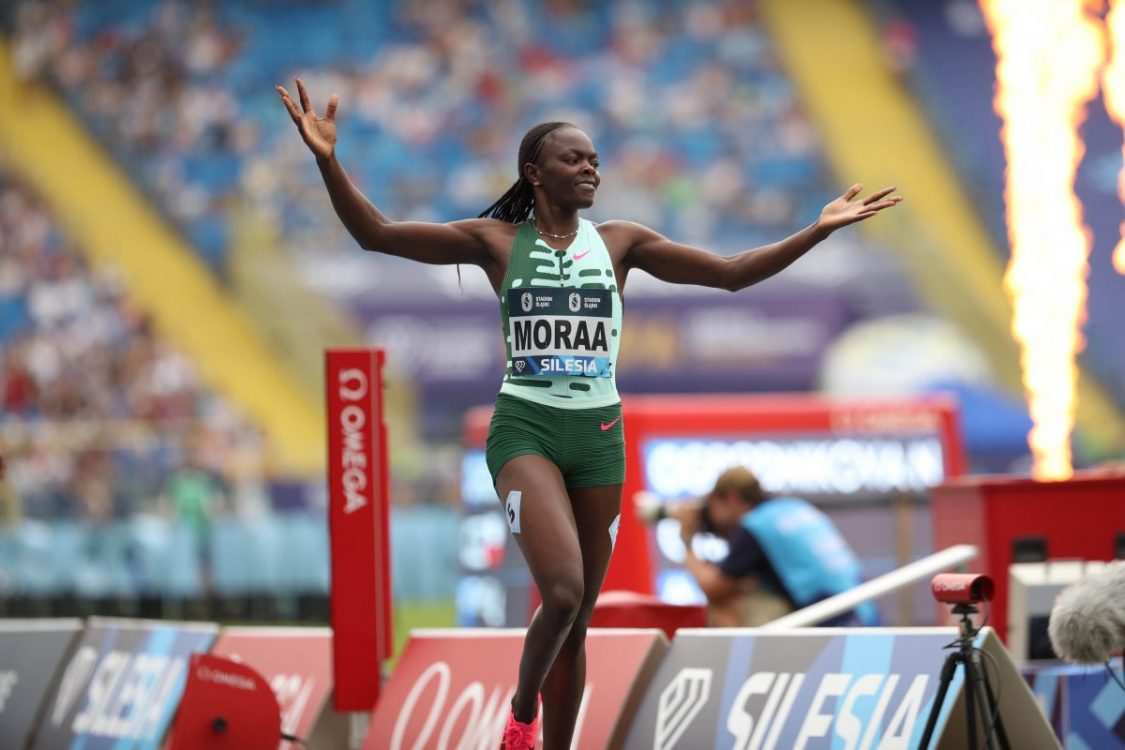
(590, 185)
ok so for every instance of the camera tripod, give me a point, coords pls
(978, 692)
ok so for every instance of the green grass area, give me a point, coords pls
(419, 615)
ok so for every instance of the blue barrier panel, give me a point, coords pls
(122, 684)
(822, 688)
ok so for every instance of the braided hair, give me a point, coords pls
(517, 203)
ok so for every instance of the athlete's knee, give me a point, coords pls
(562, 601)
(585, 611)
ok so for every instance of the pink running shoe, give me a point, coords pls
(520, 736)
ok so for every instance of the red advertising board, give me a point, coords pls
(453, 688)
(798, 444)
(297, 665)
(359, 524)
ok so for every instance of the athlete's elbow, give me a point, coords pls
(369, 245)
(731, 276)
(735, 283)
(373, 239)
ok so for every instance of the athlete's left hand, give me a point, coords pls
(845, 210)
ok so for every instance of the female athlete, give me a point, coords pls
(556, 442)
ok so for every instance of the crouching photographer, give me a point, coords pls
(784, 554)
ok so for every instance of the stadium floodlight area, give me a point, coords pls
(876, 588)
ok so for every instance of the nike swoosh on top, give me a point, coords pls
(580, 256)
(610, 425)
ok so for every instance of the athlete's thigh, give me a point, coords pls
(535, 500)
(597, 514)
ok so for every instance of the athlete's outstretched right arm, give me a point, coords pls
(455, 242)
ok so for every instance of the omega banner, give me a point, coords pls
(121, 684)
(822, 688)
(359, 525)
(452, 689)
(30, 654)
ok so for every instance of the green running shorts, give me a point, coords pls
(588, 445)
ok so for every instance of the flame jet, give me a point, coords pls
(1113, 88)
(1049, 55)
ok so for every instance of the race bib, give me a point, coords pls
(560, 331)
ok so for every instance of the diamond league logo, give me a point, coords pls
(525, 301)
(680, 703)
(520, 364)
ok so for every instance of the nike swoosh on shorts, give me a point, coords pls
(610, 425)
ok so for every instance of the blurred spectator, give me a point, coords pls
(9, 503)
(900, 45)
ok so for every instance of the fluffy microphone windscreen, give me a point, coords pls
(1087, 624)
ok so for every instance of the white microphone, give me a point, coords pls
(1087, 624)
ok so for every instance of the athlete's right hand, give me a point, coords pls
(319, 132)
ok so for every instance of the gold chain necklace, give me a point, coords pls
(554, 236)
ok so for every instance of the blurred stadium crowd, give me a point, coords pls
(686, 101)
(101, 415)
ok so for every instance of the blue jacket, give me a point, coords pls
(811, 558)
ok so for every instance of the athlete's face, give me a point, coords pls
(567, 172)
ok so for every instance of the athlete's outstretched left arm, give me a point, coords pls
(682, 264)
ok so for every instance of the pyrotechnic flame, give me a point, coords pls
(1113, 86)
(1048, 56)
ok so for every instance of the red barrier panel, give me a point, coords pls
(628, 609)
(359, 523)
(226, 706)
(297, 664)
(453, 689)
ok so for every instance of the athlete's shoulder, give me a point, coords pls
(625, 228)
(621, 226)
(488, 227)
(621, 235)
(494, 234)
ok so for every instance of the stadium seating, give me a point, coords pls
(682, 100)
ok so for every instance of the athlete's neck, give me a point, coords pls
(556, 221)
